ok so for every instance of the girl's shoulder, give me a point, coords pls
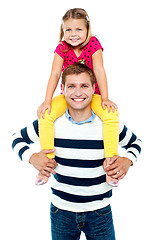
(94, 44)
(62, 46)
(94, 40)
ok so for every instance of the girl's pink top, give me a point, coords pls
(86, 55)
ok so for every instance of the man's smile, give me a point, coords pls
(78, 99)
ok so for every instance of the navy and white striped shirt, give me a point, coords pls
(80, 181)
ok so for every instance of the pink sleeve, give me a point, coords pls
(95, 45)
(60, 49)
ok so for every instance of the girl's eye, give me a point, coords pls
(67, 30)
(79, 29)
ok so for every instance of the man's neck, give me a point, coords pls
(80, 115)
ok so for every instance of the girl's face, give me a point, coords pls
(75, 31)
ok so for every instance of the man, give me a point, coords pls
(80, 195)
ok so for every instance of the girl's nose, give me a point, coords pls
(73, 33)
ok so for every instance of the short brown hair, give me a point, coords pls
(78, 68)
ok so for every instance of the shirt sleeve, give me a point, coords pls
(95, 45)
(61, 49)
(21, 141)
(129, 141)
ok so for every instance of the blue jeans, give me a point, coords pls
(96, 225)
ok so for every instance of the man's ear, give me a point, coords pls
(63, 89)
(93, 87)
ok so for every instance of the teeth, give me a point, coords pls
(78, 99)
(74, 40)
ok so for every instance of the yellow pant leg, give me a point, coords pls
(110, 126)
(46, 125)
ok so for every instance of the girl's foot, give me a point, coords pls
(111, 181)
(40, 179)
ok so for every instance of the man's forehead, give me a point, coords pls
(78, 78)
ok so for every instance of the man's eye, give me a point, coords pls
(70, 86)
(85, 86)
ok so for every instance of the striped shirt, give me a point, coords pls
(80, 181)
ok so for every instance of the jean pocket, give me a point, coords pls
(103, 211)
(54, 209)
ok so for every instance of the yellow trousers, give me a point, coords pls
(58, 108)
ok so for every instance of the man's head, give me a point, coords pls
(78, 85)
(76, 69)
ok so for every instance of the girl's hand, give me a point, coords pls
(42, 108)
(110, 105)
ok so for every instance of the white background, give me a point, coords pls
(129, 33)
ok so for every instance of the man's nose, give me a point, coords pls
(78, 92)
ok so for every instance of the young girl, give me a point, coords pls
(78, 46)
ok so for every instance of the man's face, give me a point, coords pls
(78, 91)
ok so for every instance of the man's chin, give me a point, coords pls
(80, 106)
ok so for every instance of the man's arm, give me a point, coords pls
(22, 139)
(129, 141)
(21, 145)
(118, 166)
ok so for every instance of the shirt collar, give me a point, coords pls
(68, 116)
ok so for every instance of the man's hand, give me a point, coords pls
(42, 163)
(117, 167)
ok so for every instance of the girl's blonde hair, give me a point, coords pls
(77, 13)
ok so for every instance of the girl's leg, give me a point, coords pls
(110, 131)
(46, 129)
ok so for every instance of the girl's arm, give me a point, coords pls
(52, 84)
(101, 78)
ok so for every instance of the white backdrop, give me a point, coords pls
(129, 33)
